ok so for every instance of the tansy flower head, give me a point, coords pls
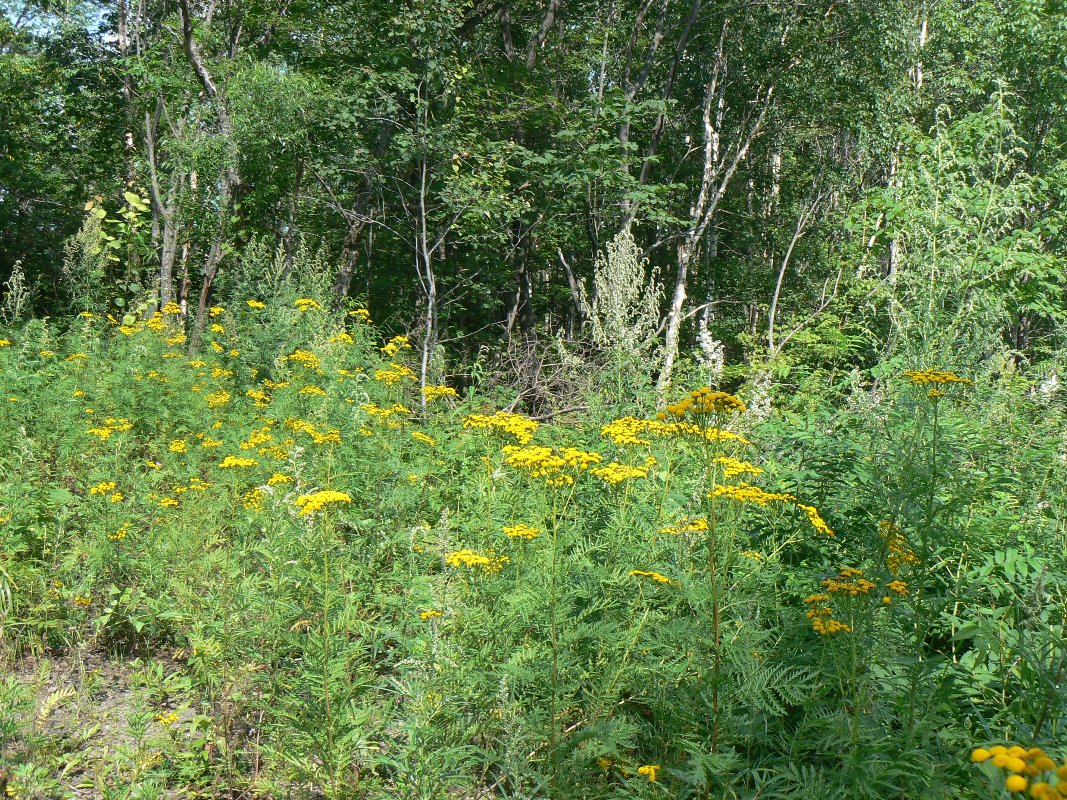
(935, 377)
(316, 501)
(521, 531)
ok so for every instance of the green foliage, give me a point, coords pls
(656, 616)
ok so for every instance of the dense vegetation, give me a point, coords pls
(515, 398)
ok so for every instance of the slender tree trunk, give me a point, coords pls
(229, 177)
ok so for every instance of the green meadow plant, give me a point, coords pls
(332, 582)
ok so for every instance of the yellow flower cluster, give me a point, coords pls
(419, 436)
(167, 719)
(429, 614)
(261, 398)
(324, 436)
(316, 501)
(304, 358)
(177, 446)
(615, 473)
(548, 464)
(279, 478)
(653, 576)
(489, 564)
(171, 308)
(110, 426)
(1023, 765)
(629, 431)
(217, 399)
(649, 771)
(437, 392)
(230, 462)
(522, 428)
(935, 377)
(816, 520)
(306, 304)
(102, 488)
(747, 493)
(120, 533)
(625, 431)
(390, 376)
(383, 412)
(315, 390)
(732, 467)
(848, 581)
(899, 553)
(521, 531)
(361, 314)
(253, 499)
(699, 525)
(706, 401)
(256, 304)
(395, 345)
(822, 620)
(344, 337)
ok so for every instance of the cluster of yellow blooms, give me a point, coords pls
(731, 467)
(747, 493)
(649, 771)
(848, 581)
(255, 304)
(699, 525)
(707, 401)
(1024, 765)
(110, 426)
(217, 399)
(615, 473)
(521, 531)
(306, 304)
(323, 436)
(316, 501)
(361, 314)
(936, 377)
(390, 376)
(385, 412)
(231, 462)
(822, 621)
(430, 613)
(899, 553)
(431, 392)
(344, 337)
(550, 465)
(629, 430)
(653, 576)
(395, 345)
(489, 564)
(304, 358)
(419, 436)
(522, 428)
(253, 499)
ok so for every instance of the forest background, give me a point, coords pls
(351, 442)
(816, 186)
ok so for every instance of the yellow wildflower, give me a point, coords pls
(255, 304)
(316, 501)
(521, 531)
(522, 428)
(649, 771)
(419, 436)
(231, 462)
(436, 392)
(306, 304)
